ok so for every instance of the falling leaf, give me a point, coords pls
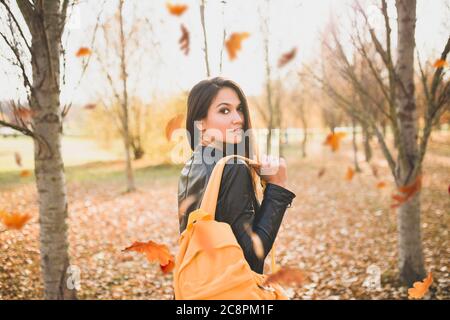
(23, 113)
(286, 276)
(233, 44)
(350, 173)
(90, 106)
(173, 124)
(185, 204)
(258, 247)
(381, 185)
(420, 288)
(18, 158)
(184, 40)
(176, 9)
(14, 220)
(154, 252)
(399, 198)
(25, 173)
(334, 139)
(407, 192)
(321, 172)
(374, 171)
(439, 63)
(82, 52)
(285, 58)
(449, 189)
(168, 267)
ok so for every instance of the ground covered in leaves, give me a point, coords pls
(333, 232)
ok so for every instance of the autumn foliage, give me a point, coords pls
(406, 192)
(83, 52)
(176, 9)
(155, 253)
(334, 139)
(14, 220)
(420, 288)
(233, 44)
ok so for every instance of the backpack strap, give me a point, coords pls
(209, 201)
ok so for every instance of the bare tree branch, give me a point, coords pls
(21, 129)
(13, 17)
(28, 12)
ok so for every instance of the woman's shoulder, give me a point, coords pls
(236, 171)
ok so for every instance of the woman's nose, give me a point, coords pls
(237, 118)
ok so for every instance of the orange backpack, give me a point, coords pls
(210, 264)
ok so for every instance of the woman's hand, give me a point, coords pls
(273, 170)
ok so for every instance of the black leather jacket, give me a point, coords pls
(237, 204)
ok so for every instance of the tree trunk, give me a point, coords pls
(410, 244)
(205, 40)
(49, 166)
(126, 130)
(305, 129)
(355, 146)
(366, 140)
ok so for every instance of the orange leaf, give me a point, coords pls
(420, 287)
(286, 276)
(381, 185)
(233, 44)
(184, 40)
(154, 252)
(176, 9)
(407, 192)
(90, 106)
(14, 220)
(25, 173)
(23, 113)
(185, 204)
(334, 139)
(18, 158)
(285, 58)
(350, 173)
(173, 124)
(412, 188)
(258, 247)
(82, 52)
(439, 63)
(321, 172)
(374, 170)
(168, 267)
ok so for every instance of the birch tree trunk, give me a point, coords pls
(45, 21)
(411, 263)
(126, 131)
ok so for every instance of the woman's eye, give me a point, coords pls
(226, 110)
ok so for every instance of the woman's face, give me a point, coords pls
(225, 119)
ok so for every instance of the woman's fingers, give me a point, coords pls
(269, 165)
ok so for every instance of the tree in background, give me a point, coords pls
(395, 82)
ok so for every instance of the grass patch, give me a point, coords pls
(105, 172)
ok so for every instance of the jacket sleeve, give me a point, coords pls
(235, 206)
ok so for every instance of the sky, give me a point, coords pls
(159, 68)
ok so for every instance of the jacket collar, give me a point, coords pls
(212, 154)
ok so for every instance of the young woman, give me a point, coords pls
(217, 121)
